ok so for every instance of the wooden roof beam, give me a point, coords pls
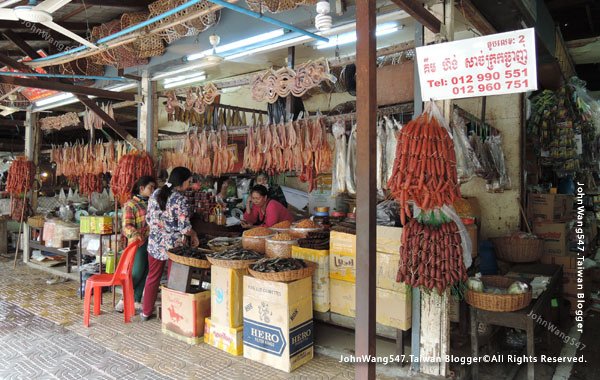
(14, 64)
(64, 87)
(21, 44)
(472, 14)
(112, 123)
(72, 26)
(419, 13)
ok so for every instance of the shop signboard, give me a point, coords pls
(497, 64)
(32, 94)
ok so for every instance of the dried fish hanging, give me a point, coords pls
(194, 104)
(78, 159)
(59, 122)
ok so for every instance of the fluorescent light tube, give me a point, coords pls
(290, 42)
(68, 98)
(55, 99)
(122, 87)
(238, 44)
(185, 81)
(198, 65)
(183, 77)
(347, 38)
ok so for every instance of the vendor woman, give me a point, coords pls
(168, 217)
(263, 211)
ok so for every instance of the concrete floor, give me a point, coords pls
(42, 337)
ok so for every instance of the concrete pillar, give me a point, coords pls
(148, 115)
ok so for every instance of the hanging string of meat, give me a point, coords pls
(131, 167)
(204, 153)
(90, 183)
(425, 166)
(302, 146)
(74, 160)
(20, 176)
(339, 166)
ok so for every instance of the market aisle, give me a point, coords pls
(109, 348)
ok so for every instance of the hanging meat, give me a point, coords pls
(339, 166)
(425, 166)
(131, 167)
(391, 131)
(20, 176)
(380, 155)
(90, 183)
(351, 163)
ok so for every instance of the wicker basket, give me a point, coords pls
(36, 221)
(287, 276)
(498, 302)
(279, 248)
(216, 248)
(255, 243)
(147, 46)
(190, 262)
(232, 264)
(518, 250)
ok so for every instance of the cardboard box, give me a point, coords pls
(102, 224)
(554, 235)
(228, 339)
(226, 289)
(573, 285)
(85, 224)
(184, 313)
(473, 230)
(389, 239)
(387, 269)
(342, 259)
(393, 307)
(320, 285)
(549, 207)
(568, 261)
(278, 324)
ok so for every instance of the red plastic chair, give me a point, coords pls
(121, 277)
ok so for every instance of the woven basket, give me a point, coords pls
(190, 262)
(36, 221)
(159, 7)
(498, 302)
(216, 248)
(232, 264)
(87, 67)
(517, 250)
(150, 45)
(287, 276)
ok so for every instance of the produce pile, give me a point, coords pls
(425, 167)
(20, 176)
(431, 256)
(475, 284)
(278, 265)
(237, 254)
(90, 183)
(193, 253)
(282, 225)
(258, 232)
(315, 240)
(301, 146)
(306, 223)
(204, 153)
(283, 237)
(131, 167)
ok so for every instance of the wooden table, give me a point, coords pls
(520, 319)
(37, 243)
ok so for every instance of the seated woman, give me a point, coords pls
(274, 191)
(263, 211)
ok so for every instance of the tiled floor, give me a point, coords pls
(42, 337)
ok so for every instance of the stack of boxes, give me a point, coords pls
(393, 299)
(278, 322)
(96, 225)
(224, 328)
(320, 285)
(552, 215)
(183, 314)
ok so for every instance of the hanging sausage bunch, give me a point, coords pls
(90, 183)
(20, 176)
(131, 167)
(424, 174)
(425, 166)
(431, 256)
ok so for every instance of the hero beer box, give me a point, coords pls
(278, 322)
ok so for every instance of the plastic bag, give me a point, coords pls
(388, 213)
(101, 202)
(351, 163)
(494, 144)
(487, 170)
(467, 164)
(338, 174)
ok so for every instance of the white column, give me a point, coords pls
(148, 115)
(31, 152)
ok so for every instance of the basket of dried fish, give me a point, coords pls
(192, 257)
(221, 244)
(236, 258)
(282, 269)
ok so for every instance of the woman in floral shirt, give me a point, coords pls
(134, 229)
(168, 217)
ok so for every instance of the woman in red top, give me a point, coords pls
(262, 211)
